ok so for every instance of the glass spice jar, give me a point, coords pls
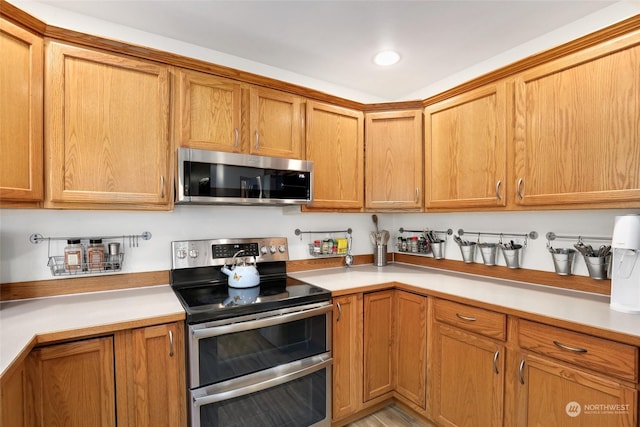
(73, 255)
(95, 254)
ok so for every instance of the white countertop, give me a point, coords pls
(577, 307)
(22, 320)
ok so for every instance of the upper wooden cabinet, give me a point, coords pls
(393, 160)
(576, 128)
(107, 127)
(207, 112)
(21, 80)
(276, 127)
(335, 144)
(465, 150)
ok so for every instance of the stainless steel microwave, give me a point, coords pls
(215, 177)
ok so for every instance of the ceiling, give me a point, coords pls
(335, 41)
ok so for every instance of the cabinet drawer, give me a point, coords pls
(484, 322)
(609, 357)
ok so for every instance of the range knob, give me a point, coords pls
(272, 249)
(193, 253)
(264, 250)
(281, 249)
(181, 253)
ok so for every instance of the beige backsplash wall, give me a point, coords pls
(21, 260)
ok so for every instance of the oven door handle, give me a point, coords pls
(259, 323)
(266, 379)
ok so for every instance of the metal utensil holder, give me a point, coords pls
(111, 263)
(598, 267)
(436, 247)
(511, 252)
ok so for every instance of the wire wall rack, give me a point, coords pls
(110, 259)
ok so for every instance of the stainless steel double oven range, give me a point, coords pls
(258, 356)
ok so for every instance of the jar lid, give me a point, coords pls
(95, 241)
(73, 241)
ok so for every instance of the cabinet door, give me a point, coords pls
(207, 112)
(347, 355)
(393, 160)
(107, 127)
(154, 377)
(276, 124)
(411, 347)
(576, 129)
(378, 344)
(468, 379)
(21, 82)
(335, 144)
(465, 150)
(73, 383)
(551, 393)
(13, 392)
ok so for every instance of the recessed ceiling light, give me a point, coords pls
(386, 57)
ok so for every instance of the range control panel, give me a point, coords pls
(213, 252)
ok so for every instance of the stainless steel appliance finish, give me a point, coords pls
(215, 177)
(256, 356)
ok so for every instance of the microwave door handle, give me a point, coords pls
(259, 179)
(272, 377)
(259, 323)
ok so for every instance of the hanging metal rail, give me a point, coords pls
(530, 235)
(553, 236)
(300, 232)
(448, 231)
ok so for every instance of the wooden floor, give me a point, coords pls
(391, 416)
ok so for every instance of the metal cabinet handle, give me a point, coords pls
(162, 186)
(519, 189)
(498, 196)
(235, 144)
(257, 140)
(417, 194)
(495, 361)
(569, 348)
(521, 372)
(171, 352)
(466, 318)
(339, 312)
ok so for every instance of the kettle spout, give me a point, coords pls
(226, 270)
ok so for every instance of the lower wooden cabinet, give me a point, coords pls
(467, 365)
(347, 355)
(13, 402)
(457, 364)
(411, 347)
(152, 385)
(132, 378)
(72, 384)
(378, 343)
(550, 393)
(467, 379)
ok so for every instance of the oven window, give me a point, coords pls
(301, 402)
(235, 354)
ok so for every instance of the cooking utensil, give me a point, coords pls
(374, 217)
(348, 259)
(385, 237)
